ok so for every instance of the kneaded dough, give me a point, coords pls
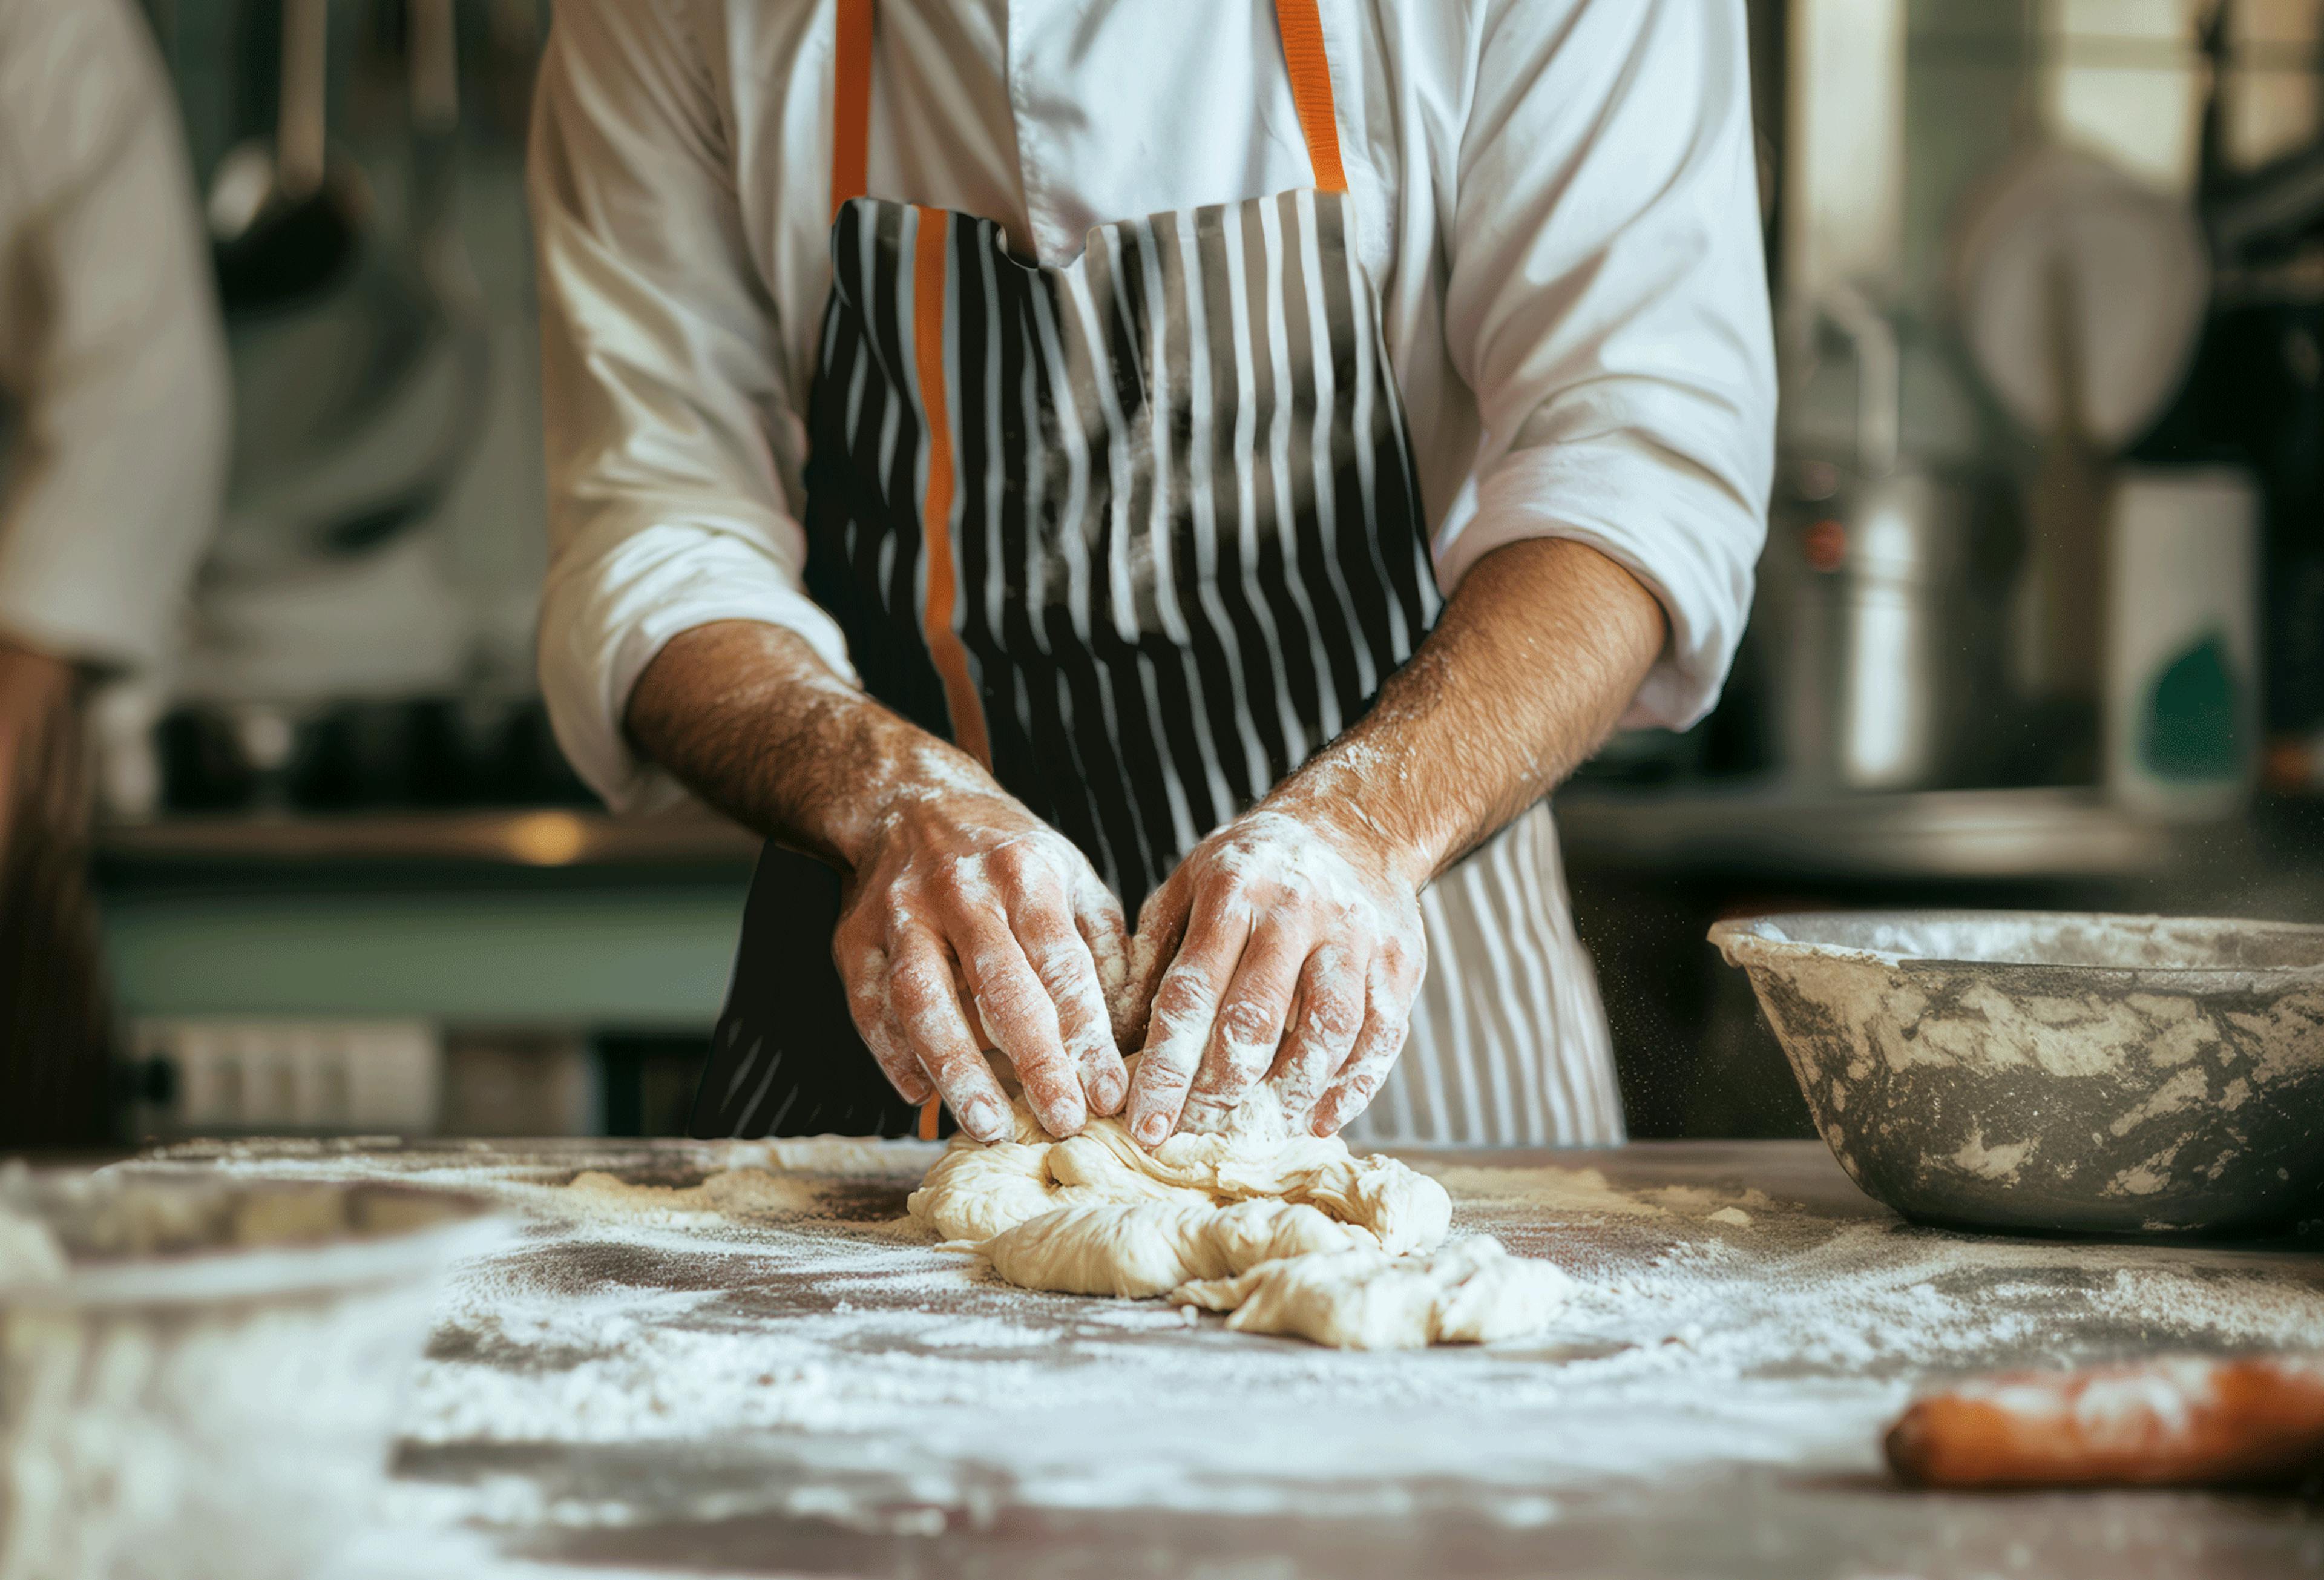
(1473, 1291)
(1292, 1234)
(1151, 1248)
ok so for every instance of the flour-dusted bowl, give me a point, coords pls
(2056, 1071)
(199, 1376)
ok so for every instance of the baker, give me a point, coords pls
(113, 407)
(1045, 464)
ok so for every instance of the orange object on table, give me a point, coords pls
(2172, 1421)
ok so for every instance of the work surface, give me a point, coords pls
(794, 1384)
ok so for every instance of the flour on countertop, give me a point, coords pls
(737, 1194)
(848, 1367)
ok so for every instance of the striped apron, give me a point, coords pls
(1142, 533)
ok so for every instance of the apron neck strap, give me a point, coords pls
(1311, 89)
(1303, 51)
(850, 113)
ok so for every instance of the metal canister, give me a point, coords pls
(1865, 597)
(1877, 619)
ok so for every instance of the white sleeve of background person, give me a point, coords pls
(110, 348)
(670, 424)
(1608, 303)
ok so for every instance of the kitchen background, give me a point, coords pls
(2042, 618)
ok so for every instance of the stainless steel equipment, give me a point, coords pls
(1870, 597)
(1863, 664)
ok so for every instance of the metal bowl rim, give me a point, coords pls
(473, 1225)
(1743, 939)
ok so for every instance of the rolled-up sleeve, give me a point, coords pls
(1606, 303)
(666, 412)
(113, 354)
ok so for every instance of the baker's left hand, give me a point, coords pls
(1286, 948)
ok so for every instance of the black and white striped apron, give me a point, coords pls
(1143, 532)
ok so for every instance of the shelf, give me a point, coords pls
(1962, 835)
(545, 837)
(577, 918)
(1998, 834)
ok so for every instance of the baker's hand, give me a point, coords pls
(971, 924)
(1287, 947)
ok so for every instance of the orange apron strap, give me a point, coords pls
(851, 100)
(851, 147)
(1311, 89)
(949, 654)
(945, 648)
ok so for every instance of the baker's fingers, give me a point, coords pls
(1097, 915)
(866, 972)
(1161, 929)
(915, 1088)
(1061, 957)
(1185, 1007)
(1325, 1019)
(928, 1009)
(1250, 1024)
(1018, 1017)
(1387, 1023)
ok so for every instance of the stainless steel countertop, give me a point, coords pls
(1262, 1457)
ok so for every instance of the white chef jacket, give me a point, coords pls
(111, 357)
(1556, 197)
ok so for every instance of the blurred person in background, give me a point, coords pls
(113, 447)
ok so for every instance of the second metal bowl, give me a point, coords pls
(2056, 1071)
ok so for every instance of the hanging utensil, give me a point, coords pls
(287, 220)
(457, 385)
(354, 417)
(2138, 278)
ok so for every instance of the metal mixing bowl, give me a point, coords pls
(199, 1375)
(2056, 1071)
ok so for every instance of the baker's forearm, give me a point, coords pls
(749, 718)
(1534, 659)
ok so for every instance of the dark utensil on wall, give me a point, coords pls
(288, 217)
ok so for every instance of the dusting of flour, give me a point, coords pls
(681, 1292)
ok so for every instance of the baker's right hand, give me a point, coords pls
(971, 924)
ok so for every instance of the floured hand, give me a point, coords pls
(971, 924)
(966, 922)
(1286, 949)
